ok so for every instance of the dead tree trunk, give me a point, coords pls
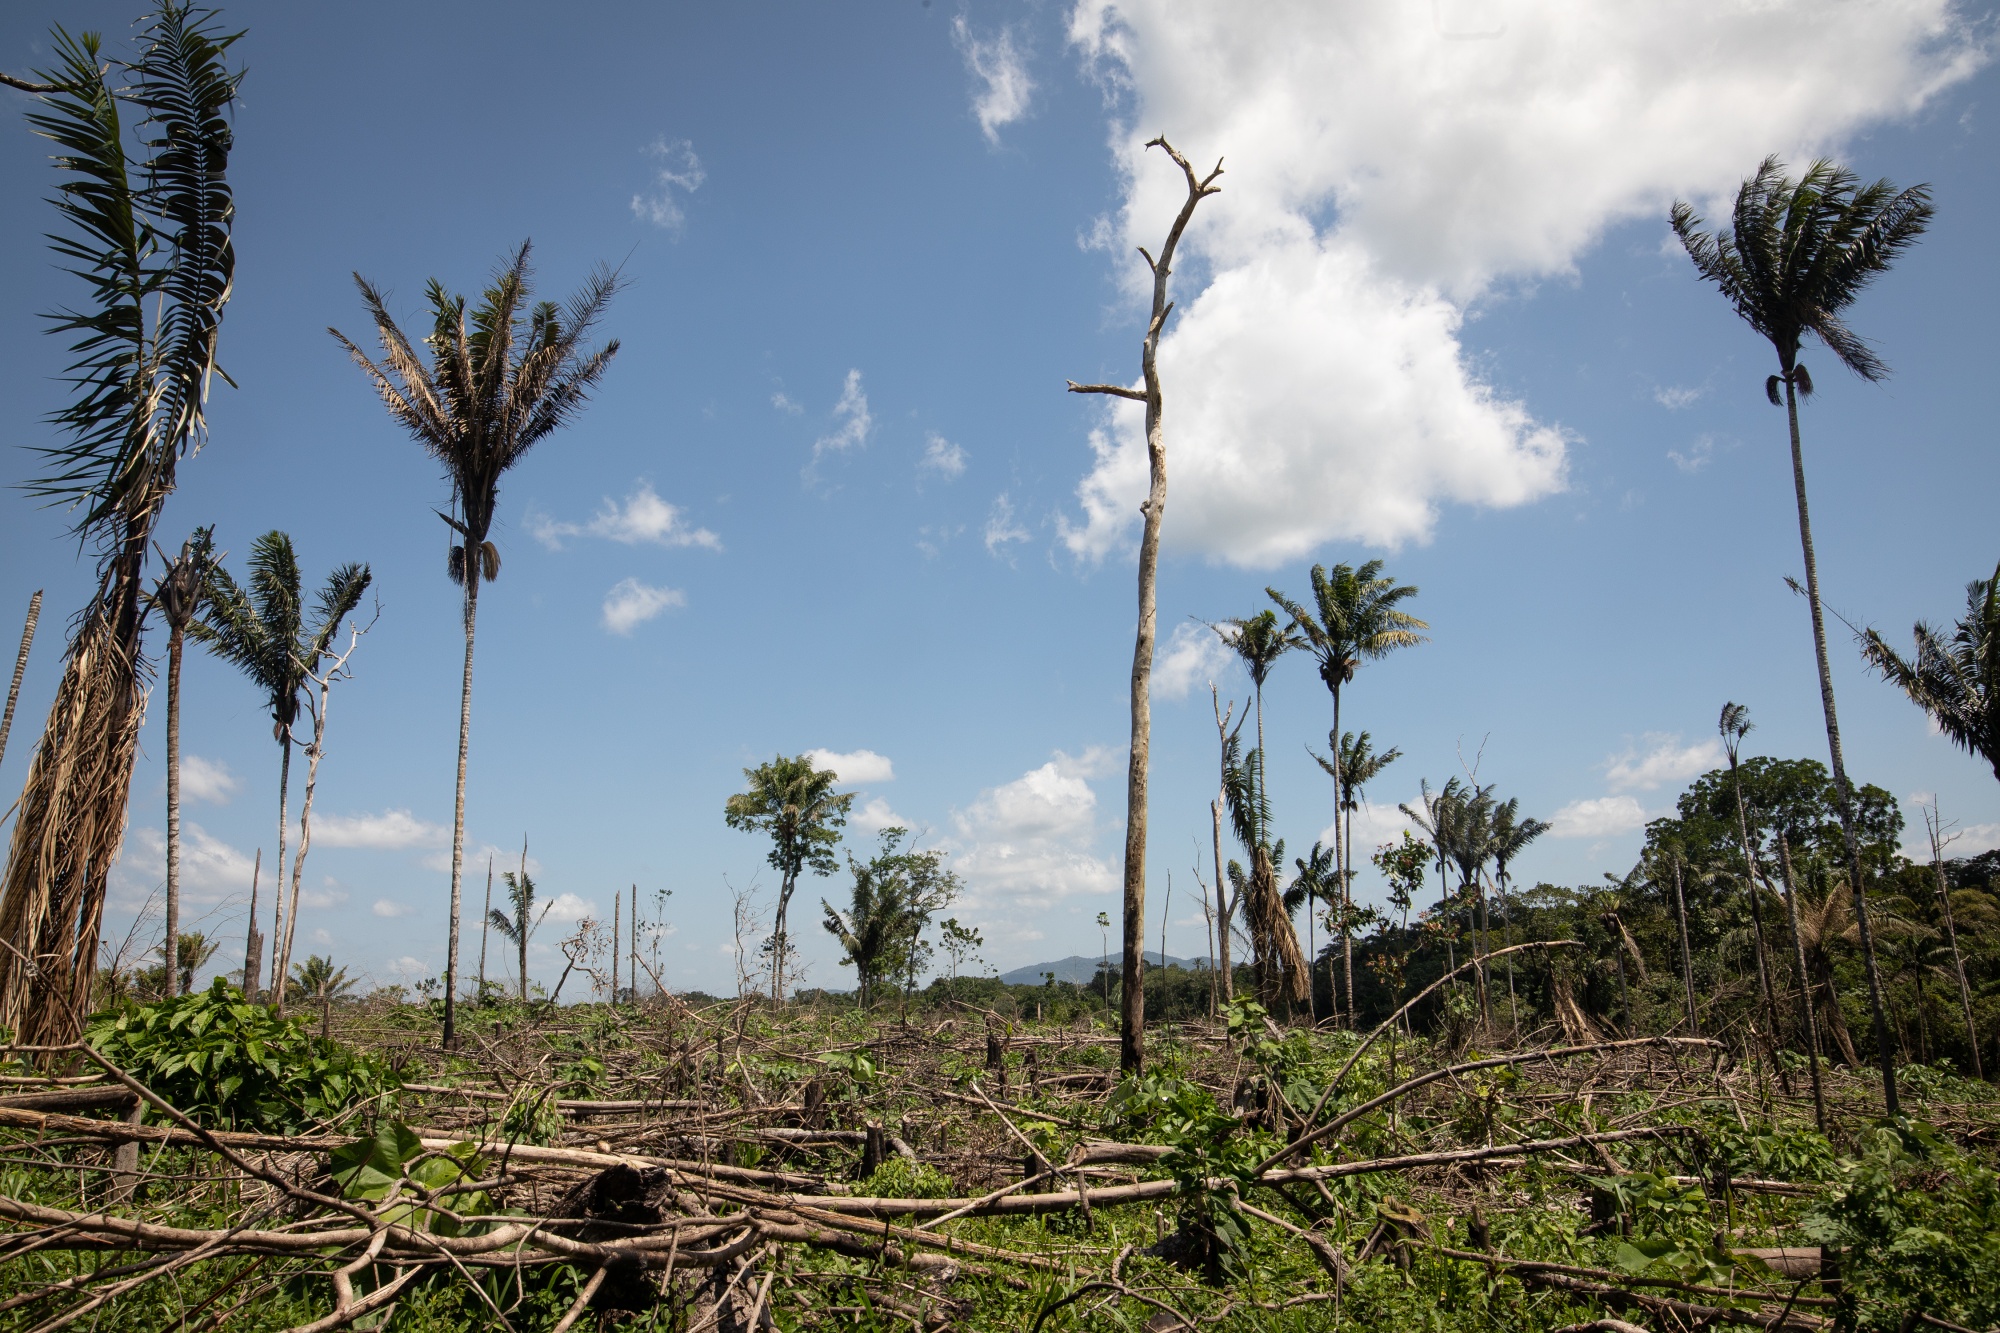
(1133, 1004)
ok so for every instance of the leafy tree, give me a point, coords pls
(264, 632)
(520, 927)
(147, 216)
(178, 597)
(495, 386)
(1402, 865)
(1955, 680)
(1799, 253)
(895, 894)
(961, 944)
(795, 806)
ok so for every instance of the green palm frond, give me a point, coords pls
(1258, 640)
(1955, 679)
(1243, 792)
(1354, 617)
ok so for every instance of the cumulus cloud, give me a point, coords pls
(1676, 397)
(876, 816)
(1697, 455)
(211, 869)
(1002, 86)
(1382, 176)
(942, 456)
(851, 412)
(643, 518)
(676, 172)
(1031, 841)
(856, 767)
(389, 831)
(631, 604)
(1598, 817)
(1194, 654)
(207, 780)
(1377, 823)
(1001, 527)
(568, 908)
(385, 907)
(1663, 760)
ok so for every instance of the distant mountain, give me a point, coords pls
(1079, 969)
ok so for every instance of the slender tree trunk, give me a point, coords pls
(1884, 1050)
(485, 918)
(1687, 954)
(175, 643)
(20, 668)
(278, 898)
(1347, 920)
(473, 570)
(253, 944)
(1757, 923)
(778, 940)
(1507, 942)
(617, 938)
(1485, 948)
(1222, 913)
(1933, 821)
(1807, 1027)
(313, 756)
(632, 971)
(1339, 838)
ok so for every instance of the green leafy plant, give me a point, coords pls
(1213, 1161)
(229, 1064)
(395, 1159)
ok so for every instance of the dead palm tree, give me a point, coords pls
(1132, 1004)
(1354, 618)
(1799, 254)
(262, 630)
(178, 597)
(148, 214)
(497, 383)
(1955, 680)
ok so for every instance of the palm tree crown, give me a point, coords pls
(1955, 680)
(1354, 618)
(794, 803)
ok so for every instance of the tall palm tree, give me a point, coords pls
(147, 215)
(1436, 813)
(1734, 724)
(496, 385)
(795, 805)
(520, 927)
(1511, 835)
(1799, 254)
(262, 630)
(1354, 618)
(1317, 881)
(1471, 847)
(1354, 765)
(1282, 975)
(178, 598)
(1955, 680)
(1259, 640)
(1132, 1005)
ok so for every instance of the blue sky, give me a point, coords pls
(832, 495)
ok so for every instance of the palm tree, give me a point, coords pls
(178, 598)
(1436, 814)
(1735, 724)
(318, 980)
(1317, 882)
(1281, 967)
(1259, 640)
(1511, 836)
(1353, 619)
(148, 214)
(1955, 680)
(1132, 1029)
(1800, 254)
(1666, 846)
(262, 631)
(795, 805)
(1354, 766)
(519, 928)
(495, 387)
(1471, 847)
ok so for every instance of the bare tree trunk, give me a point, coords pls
(1222, 913)
(253, 943)
(314, 753)
(1347, 920)
(632, 971)
(278, 898)
(171, 953)
(1934, 824)
(473, 570)
(1806, 1025)
(1687, 956)
(1757, 923)
(1884, 1050)
(485, 918)
(20, 668)
(617, 934)
(1132, 1036)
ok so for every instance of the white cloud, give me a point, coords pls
(852, 413)
(677, 169)
(1004, 87)
(408, 967)
(942, 456)
(631, 604)
(476, 858)
(1664, 761)
(1382, 177)
(1030, 841)
(1194, 654)
(568, 908)
(782, 401)
(1598, 817)
(211, 869)
(876, 816)
(1001, 527)
(1675, 397)
(389, 831)
(1374, 824)
(207, 780)
(1698, 456)
(857, 767)
(384, 907)
(329, 895)
(643, 518)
